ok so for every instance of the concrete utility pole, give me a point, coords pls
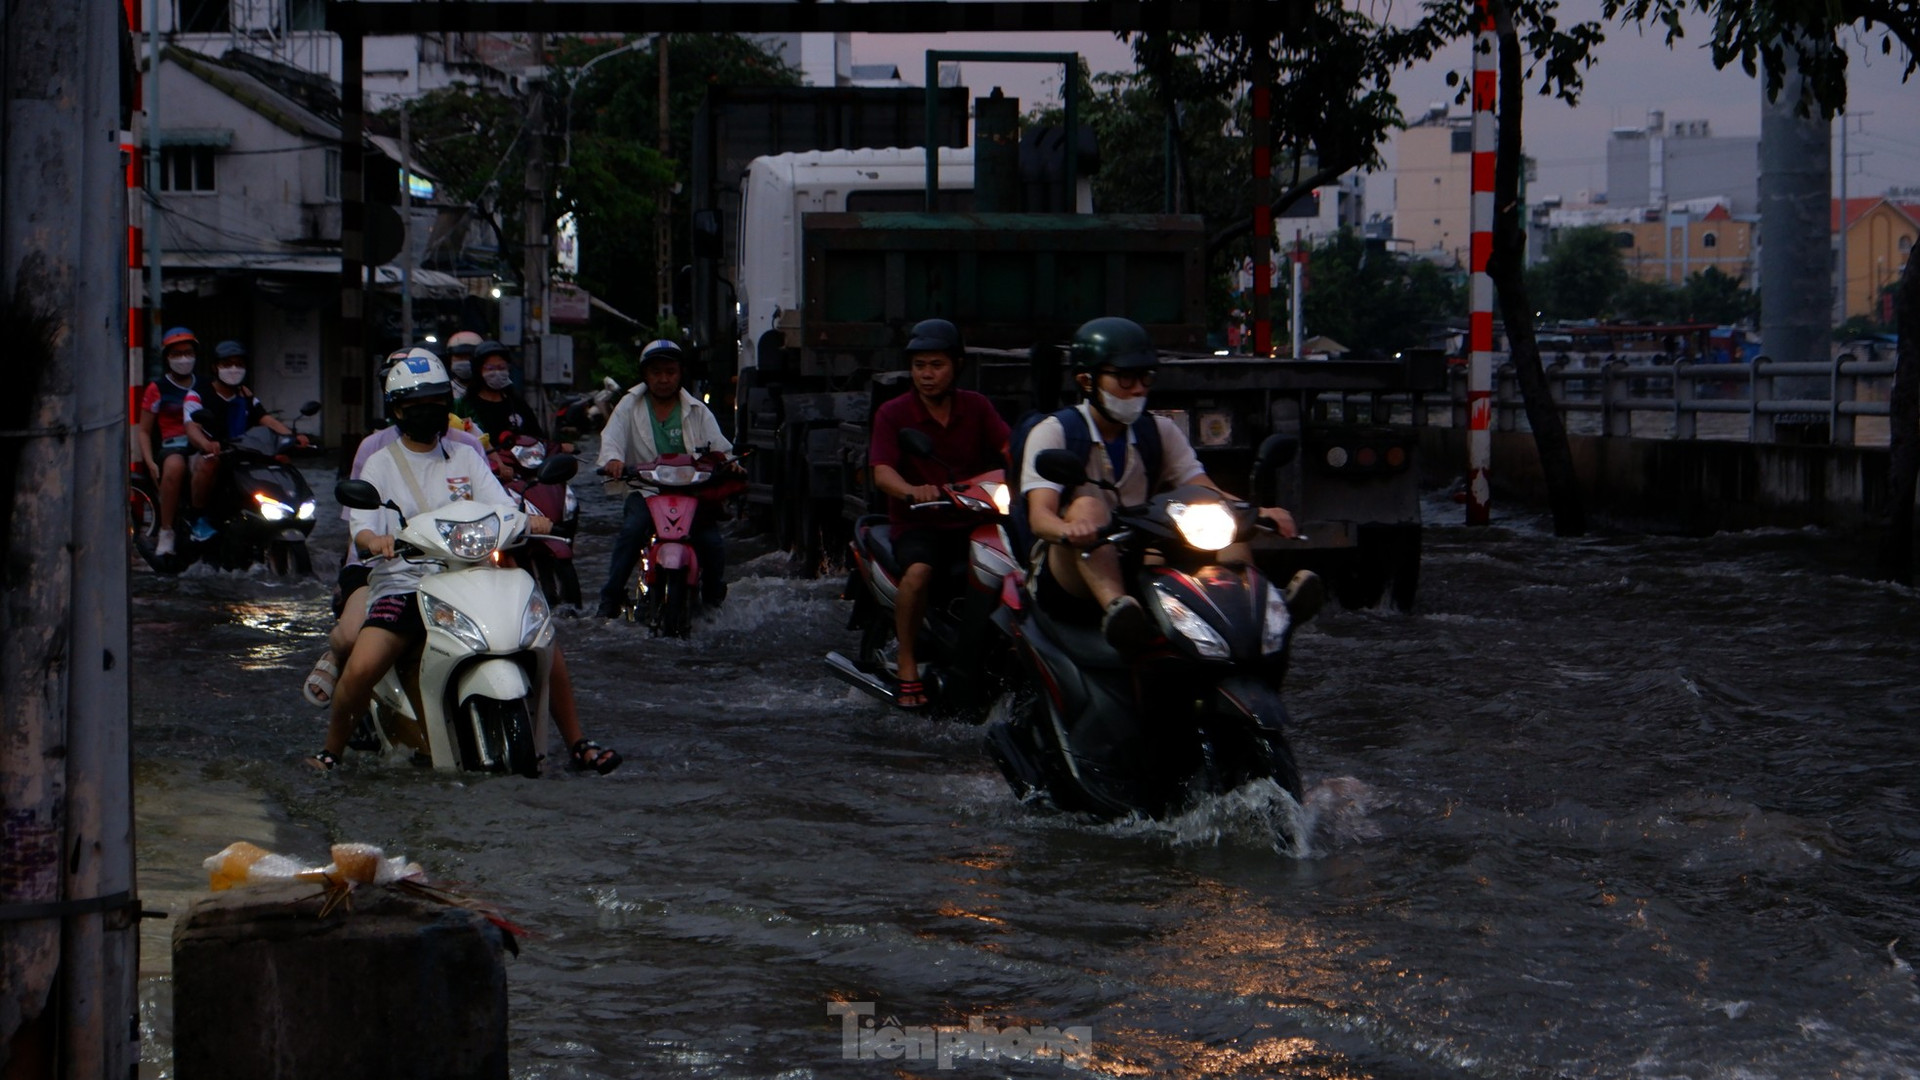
(663, 216)
(533, 230)
(68, 919)
(1796, 286)
(406, 225)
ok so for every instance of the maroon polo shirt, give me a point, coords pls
(970, 442)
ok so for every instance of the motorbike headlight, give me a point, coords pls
(573, 503)
(441, 615)
(472, 540)
(530, 456)
(1000, 495)
(306, 511)
(675, 475)
(1194, 628)
(534, 624)
(1277, 622)
(271, 508)
(1206, 526)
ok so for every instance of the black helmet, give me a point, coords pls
(662, 349)
(489, 348)
(1114, 342)
(936, 335)
(227, 350)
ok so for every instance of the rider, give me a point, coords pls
(969, 438)
(654, 419)
(163, 406)
(460, 349)
(225, 413)
(1115, 363)
(408, 473)
(493, 403)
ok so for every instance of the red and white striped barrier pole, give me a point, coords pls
(1262, 208)
(130, 152)
(1486, 46)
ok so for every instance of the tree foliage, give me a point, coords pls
(1371, 300)
(1581, 276)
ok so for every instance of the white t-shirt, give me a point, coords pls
(448, 472)
(1178, 463)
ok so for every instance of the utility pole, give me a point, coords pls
(68, 917)
(663, 218)
(533, 230)
(406, 227)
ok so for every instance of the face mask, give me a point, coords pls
(423, 424)
(462, 370)
(497, 380)
(181, 365)
(233, 376)
(1122, 410)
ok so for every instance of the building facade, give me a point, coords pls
(1880, 237)
(1433, 188)
(1662, 164)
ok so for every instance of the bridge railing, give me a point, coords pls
(1761, 401)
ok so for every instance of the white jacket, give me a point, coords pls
(628, 436)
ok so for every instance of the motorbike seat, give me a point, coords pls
(875, 535)
(1085, 644)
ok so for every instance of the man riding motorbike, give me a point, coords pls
(225, 412)
(656, 418)
(969, 437)
(421, 469)
(1114, 361)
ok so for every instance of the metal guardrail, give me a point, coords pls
(1770, 395)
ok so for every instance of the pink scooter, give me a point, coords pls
(670, 568)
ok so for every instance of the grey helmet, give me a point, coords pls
(1111, 341)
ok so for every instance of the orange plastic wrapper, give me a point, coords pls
(353, 864)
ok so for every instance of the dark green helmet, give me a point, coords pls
(1112, 342)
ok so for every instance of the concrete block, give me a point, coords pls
(397, 987)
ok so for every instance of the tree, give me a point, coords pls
(1371, 300)
(1581, 276)
(1762, 35)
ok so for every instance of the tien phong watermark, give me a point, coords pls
(863, 1038)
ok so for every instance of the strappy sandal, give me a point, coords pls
(323, 761)
(588, 754)
(911, 696)
(318, 689)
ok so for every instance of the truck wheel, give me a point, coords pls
(1406, 569)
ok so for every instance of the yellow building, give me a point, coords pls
(1680, 247)
(1880, 234)
(1433, 188)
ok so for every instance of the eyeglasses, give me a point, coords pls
(1127, 380)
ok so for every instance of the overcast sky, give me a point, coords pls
(1635, 73)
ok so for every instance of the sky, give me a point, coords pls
(1635, 73)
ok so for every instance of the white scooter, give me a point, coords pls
(474, 696)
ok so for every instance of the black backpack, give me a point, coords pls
(1146, 435)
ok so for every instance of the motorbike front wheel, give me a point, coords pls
(290, 557)
(503, 736)
(671, 614)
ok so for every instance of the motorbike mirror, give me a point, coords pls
(916, 443)
(559, 469)
(357, 495)
(1061, 467)
(309, 408)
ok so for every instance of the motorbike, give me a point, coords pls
(1198, 712)
(474, 697)
(662, 592)
(584, 414)
(549, 558)
(261, 505)
(952, 651)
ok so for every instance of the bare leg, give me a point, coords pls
(910, 606)
(560, 701)
(346, 628)
(1092, 574)
(173, 472)
(376, 650)
(204, 470)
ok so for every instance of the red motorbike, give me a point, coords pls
(670, 568)
(960, 660)
(548, 558)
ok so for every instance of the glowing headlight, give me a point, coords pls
(271, 508)
(1278, 620)
(672, 474)
(1000, 495)
(473, 540)
(440, 615)
(572, 503)
(1192, 627)
(534, 623)
(1207, 526)
(530, 456)
(306, 511)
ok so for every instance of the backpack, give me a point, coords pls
(1073, 422)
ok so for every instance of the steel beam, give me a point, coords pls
(371, 17)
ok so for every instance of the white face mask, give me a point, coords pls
(233, 376)
(180, 365)
(462, 369)
(1122, 410)
(497, 380)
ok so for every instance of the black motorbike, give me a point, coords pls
(262, 507)
(1198, 712)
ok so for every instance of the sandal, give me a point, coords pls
(319, 686)
(588, 754)
(323, 761)
(911, 695)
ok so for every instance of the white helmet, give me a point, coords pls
(464, 341)
(418, 375)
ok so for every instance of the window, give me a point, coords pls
(306, 15)
(330, 164)
(186, 168)
(1463, 141)
(202, 16)
(1709, 241)
(1623, 239)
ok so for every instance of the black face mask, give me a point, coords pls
(423, 423)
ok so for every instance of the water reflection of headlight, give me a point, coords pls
(1207, 526)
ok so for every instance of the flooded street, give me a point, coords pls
(1620, 806)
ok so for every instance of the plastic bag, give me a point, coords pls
(353, 865)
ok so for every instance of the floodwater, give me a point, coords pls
(1620, 806)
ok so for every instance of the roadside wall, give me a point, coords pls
(1696, 486)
